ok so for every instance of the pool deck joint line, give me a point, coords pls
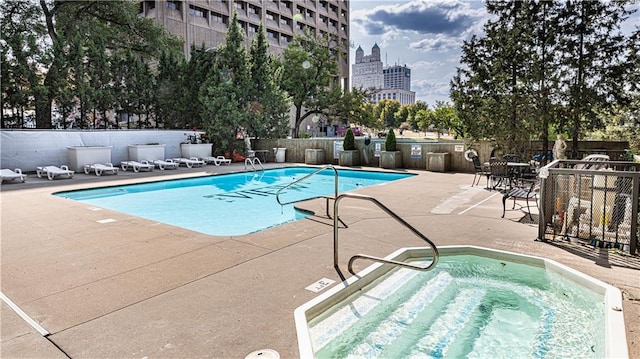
(24, 315)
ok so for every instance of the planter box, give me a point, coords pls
(314, 156)
(349, 158)
(199, 150)
(87, 155)
(390, 159)
(146, 152)
(438, 162)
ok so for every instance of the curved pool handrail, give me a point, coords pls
(252, 161)
(336, 203)
(335, 172)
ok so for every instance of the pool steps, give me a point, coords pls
(444, 303)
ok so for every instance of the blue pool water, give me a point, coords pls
(467, 307)
(231, 204)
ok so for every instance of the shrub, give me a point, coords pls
(390, 142)
(349, 141)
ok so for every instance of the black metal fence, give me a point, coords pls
(595, 203)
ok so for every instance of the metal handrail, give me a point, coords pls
(436, 255)
(252, 161)
(335, 176)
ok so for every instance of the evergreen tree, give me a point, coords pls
(168, 99)
(227, 92)
(594, 61)
(349, 143)
(23, 54)
(269, 105)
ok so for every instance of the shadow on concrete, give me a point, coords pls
(603, 257)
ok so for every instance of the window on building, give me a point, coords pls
(286, 4)
(219, 18)
(196, 11)
(343, 13)
(333, 8)
(252, 29)
(254, 10)
(239, 5)
(301, 10)
(343, 27)
(271, 16)
(324, 19)
(323, 4)
(151, 4)
(285, 21)
(310, 14)
(333, 22)
(286, 38)
(272, 35)
(173, 5)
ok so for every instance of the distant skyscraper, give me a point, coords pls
(367, 71)
(391, 83)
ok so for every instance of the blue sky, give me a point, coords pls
(425, 35)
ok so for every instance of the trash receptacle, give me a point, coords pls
(438, 162)
(279, 154)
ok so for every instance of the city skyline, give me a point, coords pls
(427, 36)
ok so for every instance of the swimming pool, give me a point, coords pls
(475, 303)
(229, 204)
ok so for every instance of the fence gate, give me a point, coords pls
(591, 202)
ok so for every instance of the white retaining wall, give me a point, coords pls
(28, 149)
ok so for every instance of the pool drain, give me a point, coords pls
(263, 354)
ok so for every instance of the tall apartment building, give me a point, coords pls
(206, 21)
(397, 77)
(391, 83)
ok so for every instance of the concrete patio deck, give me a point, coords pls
(135, 288)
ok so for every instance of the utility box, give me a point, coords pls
(438, 162)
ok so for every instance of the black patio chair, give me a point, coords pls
(480, 171)
(500, 173)
(523, 190)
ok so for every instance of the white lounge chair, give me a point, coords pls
(53, 171)
(217, 160)
(189, 162)
(99, 168)
(166, 164)
(9, 175)
(137, 166)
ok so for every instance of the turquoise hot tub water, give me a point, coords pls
(230, 204)
(468, 306)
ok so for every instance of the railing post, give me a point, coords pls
(635, 196)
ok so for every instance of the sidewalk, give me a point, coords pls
(137, 288)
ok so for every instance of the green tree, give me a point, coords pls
(538, 70)
(195, 73)
(310, 77)
(349, 143)
(168, 99)
(71, 24)
(390, 141)
(23, 55)
(594, 59)
(269, 104)
(413, 110)
(444, 117)
(386, 111)
(226, 94)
